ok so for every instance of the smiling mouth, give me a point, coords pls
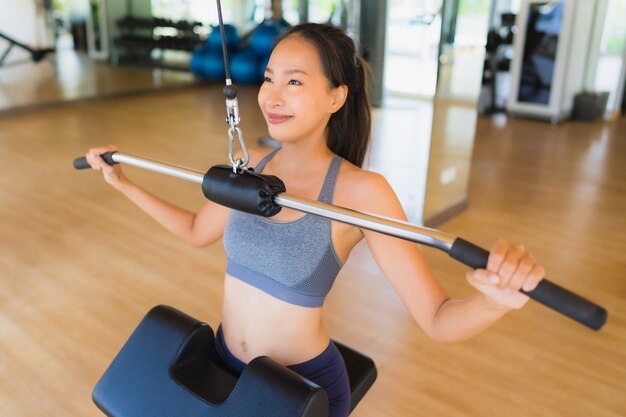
(277, 118)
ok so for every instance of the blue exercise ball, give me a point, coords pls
(208, 64)
(263, 37)
(214, 41)
(196, 59)
(244, 67)
(283, 24)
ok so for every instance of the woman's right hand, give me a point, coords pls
(112, 173)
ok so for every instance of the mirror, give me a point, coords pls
(97, 33)
(461, 55)
(543, 27)
(610, 71)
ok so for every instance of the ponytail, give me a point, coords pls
(348, 131)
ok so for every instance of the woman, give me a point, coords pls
(315, 103)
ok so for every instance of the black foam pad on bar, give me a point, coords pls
(246, 191)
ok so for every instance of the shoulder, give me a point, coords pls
(363, 190)
(361, 180)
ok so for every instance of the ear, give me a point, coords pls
(339, 96)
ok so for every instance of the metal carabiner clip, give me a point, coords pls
(238, 164)
(232, 112)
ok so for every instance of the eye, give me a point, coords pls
(294, 82)
(267, 80)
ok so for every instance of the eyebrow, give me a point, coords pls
(288, 72)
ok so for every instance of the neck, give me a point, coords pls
(301, 154)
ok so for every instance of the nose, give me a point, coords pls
(273, 95)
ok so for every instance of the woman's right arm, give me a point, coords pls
(198, 229)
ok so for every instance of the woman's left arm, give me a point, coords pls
(510, 267)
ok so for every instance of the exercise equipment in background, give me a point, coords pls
(207, 61)
(550, 57)
(245, 66)
(36, 54)
(497, 66)
(250, 53)
(148, 41)
(214, 41)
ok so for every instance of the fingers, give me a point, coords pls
(533, 279)
(497, 255)
(525, 264)
(95, 160)
(515, 266)
(509, 269)
(482, 277)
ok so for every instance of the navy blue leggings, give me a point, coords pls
(328, 370)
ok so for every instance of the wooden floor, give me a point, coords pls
(70, 76)
(80, 266)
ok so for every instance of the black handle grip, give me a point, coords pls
(547, 293)
(81, 163)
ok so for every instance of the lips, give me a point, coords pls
(276, 118)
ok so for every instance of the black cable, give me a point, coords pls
(224, 50)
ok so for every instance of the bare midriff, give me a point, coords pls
(256, 324)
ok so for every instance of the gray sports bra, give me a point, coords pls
(293, 261)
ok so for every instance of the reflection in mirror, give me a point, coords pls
(402, 125)
(462, 49)
(401, 135)
(543, 27)
(423, 135)
(412, 47)
(97, 33)
(462, 53)
(610, 70)
(449, 163)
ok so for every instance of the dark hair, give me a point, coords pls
(349, 129)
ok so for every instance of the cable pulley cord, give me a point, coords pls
(224, 50)
(232, 106)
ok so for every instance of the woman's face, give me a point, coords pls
(296, 98)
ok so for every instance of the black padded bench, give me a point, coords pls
(169, 368)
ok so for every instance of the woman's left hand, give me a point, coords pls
(509, 269)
